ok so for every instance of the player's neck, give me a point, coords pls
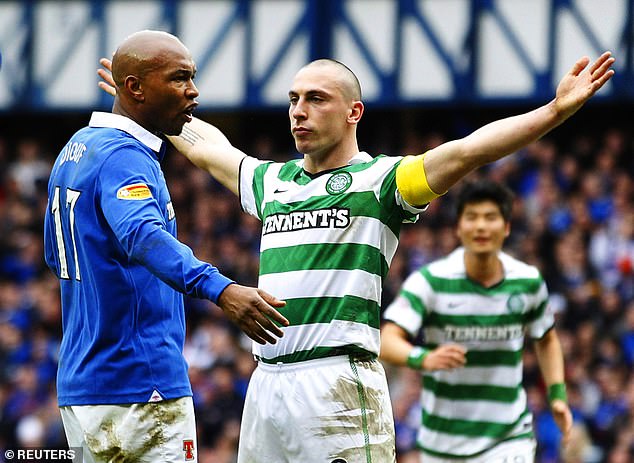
(485, 269)
(333, 158)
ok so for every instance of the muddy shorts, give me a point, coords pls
(151, 432)
(331, 410)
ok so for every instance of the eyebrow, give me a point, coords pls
(309, 93)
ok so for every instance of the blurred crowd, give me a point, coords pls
(573, 219)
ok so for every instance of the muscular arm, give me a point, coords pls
(208, 148)
(449, 162)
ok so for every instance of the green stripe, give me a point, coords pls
(318, 353)
(471, 391)
(470, 428)
(329, 256)
(537, 313)
(258, 185)
(415, 301)
(301, 311)
(494, 358)
(437, 319)
(291, 171)
(464, 285)
(526, 435)
(364, 412)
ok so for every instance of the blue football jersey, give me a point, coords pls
(110, 237)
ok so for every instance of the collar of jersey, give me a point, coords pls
(358, 158)
(116, 121)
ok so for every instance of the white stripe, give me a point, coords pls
(362, 230)
(493, 376)
(451, 444)
(247, 196)
(437, 336)
(478, 304)
(336, 333)
(323, 283)
(464, 445)
(474, 410)
(400, 311)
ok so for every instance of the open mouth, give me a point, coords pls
(189, 112)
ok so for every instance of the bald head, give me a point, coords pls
(347, 80)
(143, 52)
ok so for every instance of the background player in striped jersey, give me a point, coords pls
(331, 226)
(110, 237)
(474, 307)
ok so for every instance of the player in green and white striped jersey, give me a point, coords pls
(475, 307)
(330, 226)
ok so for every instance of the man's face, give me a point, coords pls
(170, 93)
(481, 227)
(318, 110)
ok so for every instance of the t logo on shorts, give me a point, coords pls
(188, 448)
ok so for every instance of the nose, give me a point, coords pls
(192, 90)
(298, 110)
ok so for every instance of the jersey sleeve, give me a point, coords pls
(128, 198)
(251, 185)
(390, 194)
(409, 308)
(540, 318)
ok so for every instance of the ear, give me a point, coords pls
(355, 112)
(507, 229)
(133, 86)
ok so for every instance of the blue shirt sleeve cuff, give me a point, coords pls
(217, 285)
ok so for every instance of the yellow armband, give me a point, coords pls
(411, 181)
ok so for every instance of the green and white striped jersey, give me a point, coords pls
(327, 243)
(469, 410)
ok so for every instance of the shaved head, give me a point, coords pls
(154, 74)
(348, 81)
(143, 52)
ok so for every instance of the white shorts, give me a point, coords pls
(511, 451)
(151, 432)
(332, 410)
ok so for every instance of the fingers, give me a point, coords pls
(107, 88)
(579, 66)
(105, 62)
(602, 75)
(272, 300)
(605, 58)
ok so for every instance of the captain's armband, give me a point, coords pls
(411, 181)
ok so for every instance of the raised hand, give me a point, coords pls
(107, 85)
(445, 357)
(252, 309)
(581, 82)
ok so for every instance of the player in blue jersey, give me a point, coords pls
(320, 395)
(110, 237)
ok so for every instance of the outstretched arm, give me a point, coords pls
(438, 169)
(208, 148)
(448, 163)
(202, 143)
